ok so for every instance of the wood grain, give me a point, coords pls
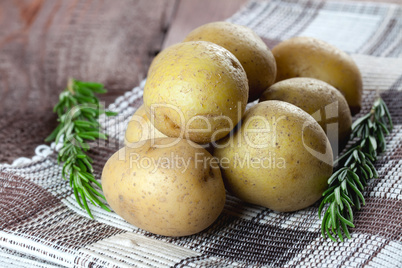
(43, 43)
(193, 13)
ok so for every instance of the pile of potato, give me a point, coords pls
(193, 139)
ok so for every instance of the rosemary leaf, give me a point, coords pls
(78, 110)
(355, 168)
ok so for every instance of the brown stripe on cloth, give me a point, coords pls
(389, 167)
(32, 212)
(259, 244)
(396, 50)
(189, 260)
(311, 6)
(248, 242)
(380, 217)
(244, 235)
(210, 261)
(46, 174)
(62, 229)
(368, 98)
(395, 155)
(393, 99)
(14, 258)
(20, 200)
(270, 42)
(382, 214)
(36, 214)
(378, 250)
(392, 30)
(101, 151)
(278, 20)
(398, 84)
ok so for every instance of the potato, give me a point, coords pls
(254, 55)
(196, 90)
(279, 158)
(309, 57)
(319, 99)
(169, 187)
(140, 128)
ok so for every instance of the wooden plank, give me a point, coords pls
(193, 13)
(44, 42)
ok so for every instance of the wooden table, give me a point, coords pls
(43, 43)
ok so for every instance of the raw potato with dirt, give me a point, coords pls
(140, 128)
(253, 54)
(321, 100)
(167, 186)
(279, 158)
(196, 90)
(310, 57)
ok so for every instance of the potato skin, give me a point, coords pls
(254, 55)
(140, 128)
(281, 173)
(310, 57)
(317, 98)
(166, 198)
(200, 85)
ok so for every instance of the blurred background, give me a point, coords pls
(44, 42)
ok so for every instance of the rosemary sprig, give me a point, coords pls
(355, 169)
(78, 110)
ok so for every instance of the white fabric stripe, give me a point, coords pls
(232, 207)
(37, 249)
(380, 30)
(325, 253)
(252, 16)
(378, 73)
(390, 186)
(395, 48)
(390, 254)
(116, 126)
(347, 31)
(135, 249)
(109, 218)
(113, 126)
(393, 140)
(22, 261)
(336, 22)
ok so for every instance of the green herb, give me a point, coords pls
(356, 168)
(78, 110)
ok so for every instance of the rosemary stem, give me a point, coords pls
(354, 169)
(78, 110)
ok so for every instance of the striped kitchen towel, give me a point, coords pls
(41, 224)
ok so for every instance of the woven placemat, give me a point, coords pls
(41, 224)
